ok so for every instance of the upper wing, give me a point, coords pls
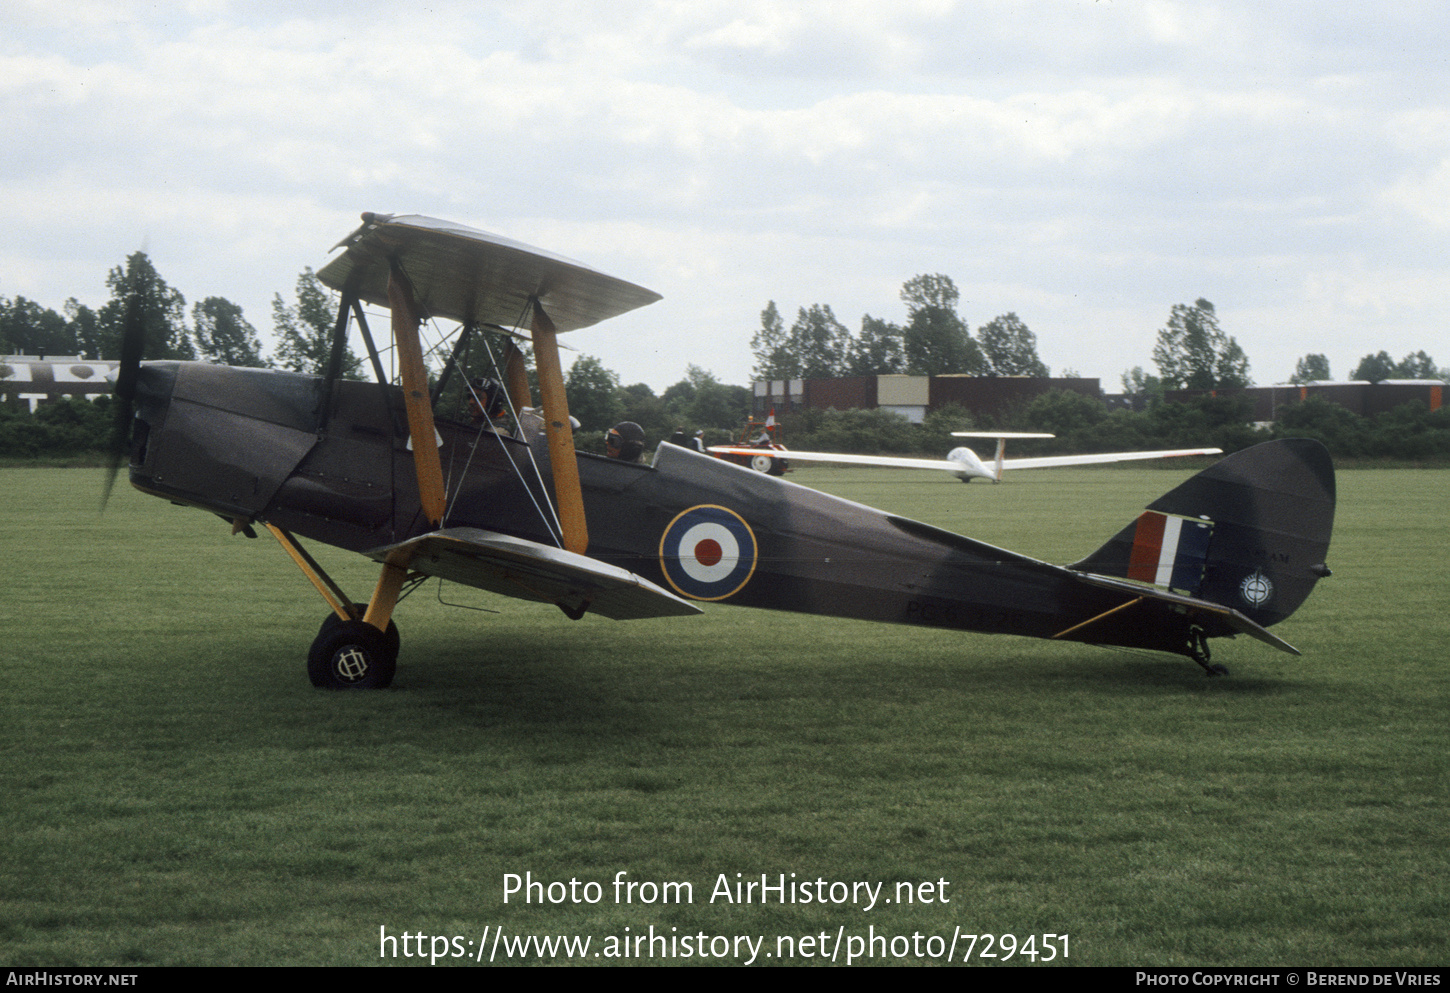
(528, 570)
(463, 274)
(1061, 460)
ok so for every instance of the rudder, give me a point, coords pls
(1250, 532)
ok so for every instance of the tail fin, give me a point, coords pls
(1250, 532)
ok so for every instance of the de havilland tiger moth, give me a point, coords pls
(517, 510)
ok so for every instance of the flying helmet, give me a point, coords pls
(625, 441)
(489, 395)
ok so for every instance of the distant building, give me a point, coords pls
(913, 397)
(36, 379)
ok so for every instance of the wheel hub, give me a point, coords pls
(350, 663)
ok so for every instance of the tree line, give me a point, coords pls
(699, 402)
(1191, 351)
(1083, 424)
(69, 427)
(933, 341)
(1374, 368)
(215, 330)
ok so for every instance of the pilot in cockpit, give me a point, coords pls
(486, 403)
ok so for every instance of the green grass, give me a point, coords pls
(175, 792)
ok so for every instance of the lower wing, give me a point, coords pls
(528, 570)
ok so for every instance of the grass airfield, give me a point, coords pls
(176, 792)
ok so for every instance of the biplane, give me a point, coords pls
(964, 463)
(514, 509)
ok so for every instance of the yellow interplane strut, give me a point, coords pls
(561, 435)
(516, 377)
(415, 394)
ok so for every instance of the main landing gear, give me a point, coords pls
(357, 645)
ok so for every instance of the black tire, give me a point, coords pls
(352, 656)
(778, 467)
(331, 621)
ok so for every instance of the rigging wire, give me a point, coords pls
(547, 513)
(551, 517)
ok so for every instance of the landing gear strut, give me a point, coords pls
(331, 622)
(1198, 650)
(357, 645)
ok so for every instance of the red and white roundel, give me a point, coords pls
(708, 552)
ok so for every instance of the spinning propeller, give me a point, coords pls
(133, 345)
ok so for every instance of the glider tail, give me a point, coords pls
(1249, 533)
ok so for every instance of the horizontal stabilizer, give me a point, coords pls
(1226, 615)
(528, 570)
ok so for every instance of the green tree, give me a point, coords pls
(876, 351)
(639, 404)
(819, 342)
(1146, 389)
(30, 329)
(868, 432)
(224, 336)
(304, 330)
(1060, 412)
(1311, 368)
(702, 401)
(935, 339)
(1373, 368)
(593, 393)
(85, 329)
(773, 356)
(1010, 348)
(1417, 365)
(1193, 352)
(937, 426)
(162, 310)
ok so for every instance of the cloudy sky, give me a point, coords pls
(1086, 164)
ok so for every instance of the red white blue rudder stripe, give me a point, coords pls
(708, 553)
(1169, 551)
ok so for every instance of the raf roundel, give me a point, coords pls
(708, 553)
